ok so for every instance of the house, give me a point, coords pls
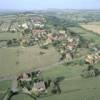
(38, 25)
(37, 89)
(70, 39)
(24, 26)
(24, 77)
(39, 86)
(37, 32)
(89, 59)
(61, 37)
(62, 32)
(49, 39)
(69, 57)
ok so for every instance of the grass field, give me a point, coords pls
(15, 60)
(8, 35)
(90, 94)
(78, 89)
(4, 85)
(73, 87)
(86, 34)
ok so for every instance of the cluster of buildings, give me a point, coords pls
(92, 58)
(32, 83)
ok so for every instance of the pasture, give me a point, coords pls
(86, 34)
(15, 60)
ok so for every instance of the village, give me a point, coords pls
(38, 31)
(35, 32)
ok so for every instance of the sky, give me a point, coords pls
(46, 4)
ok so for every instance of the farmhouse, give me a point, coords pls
(39, 87)
(24, 77)
(92, 58)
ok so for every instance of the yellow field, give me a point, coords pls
(92, 27)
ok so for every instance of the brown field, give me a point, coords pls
(92, 27)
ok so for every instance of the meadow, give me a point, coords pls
(18, 59)
(86, 34)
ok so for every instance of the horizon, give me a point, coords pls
(48, 9)
(27, 5)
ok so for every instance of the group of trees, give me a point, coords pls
(60, 23)
(13, 42)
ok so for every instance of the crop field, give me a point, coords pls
(92, 27)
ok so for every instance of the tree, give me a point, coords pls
(9, 43)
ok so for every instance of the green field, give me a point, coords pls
(73, 87)
(88, 35)
(8, 35)
(15, 60)
(79, 89)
